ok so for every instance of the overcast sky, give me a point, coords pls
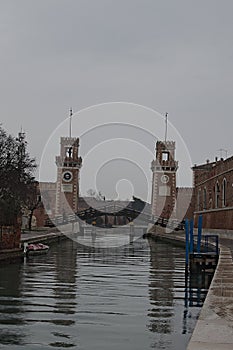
(173, 56)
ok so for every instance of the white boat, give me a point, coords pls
(36, 249)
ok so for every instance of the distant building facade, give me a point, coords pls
(213, 193)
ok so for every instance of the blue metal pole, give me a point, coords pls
(191, 236)
(199, 231)
(186, 242)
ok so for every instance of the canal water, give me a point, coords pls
(132, 298)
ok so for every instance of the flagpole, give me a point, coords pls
(166, 115)
(71, 113)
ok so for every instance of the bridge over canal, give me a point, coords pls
(112, 214)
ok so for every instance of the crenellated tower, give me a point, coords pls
(164, 168)
(68, 167)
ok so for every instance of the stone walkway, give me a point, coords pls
(227, 242)
(214, 328)
(32, 235)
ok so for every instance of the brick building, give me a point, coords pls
(61, 197)
(10, 237)
(47, 206)
(213, 193)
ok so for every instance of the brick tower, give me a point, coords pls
(164, 169)
(68, 167)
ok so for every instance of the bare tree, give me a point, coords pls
(16, 174)
(33, 201)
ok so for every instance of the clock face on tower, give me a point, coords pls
(164, 179)
(67, 176)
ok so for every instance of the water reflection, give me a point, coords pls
(161, 290)
(197, 285)
(175, 297)
(11, 306)
(62, 294)
(196, 289)
(45, 288)
(130, 297)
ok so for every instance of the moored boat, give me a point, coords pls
(36, 249)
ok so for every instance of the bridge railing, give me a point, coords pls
(170, 223)
(92, 213)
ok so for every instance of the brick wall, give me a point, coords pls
(9, 237)
(185, 203)
(213, 194)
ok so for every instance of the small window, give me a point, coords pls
(199, 200)
(217, 195)
(224, 189)
(204, 199)
(165, 156)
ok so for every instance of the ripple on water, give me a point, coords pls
(82, 298)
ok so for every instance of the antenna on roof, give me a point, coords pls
(71, 113)
(166, 115)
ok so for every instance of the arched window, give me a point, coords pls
(199, 199)
(204, 199)
(217, 195)
(224, 194)
(69, 151)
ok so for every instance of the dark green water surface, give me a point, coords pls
(74, 297)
